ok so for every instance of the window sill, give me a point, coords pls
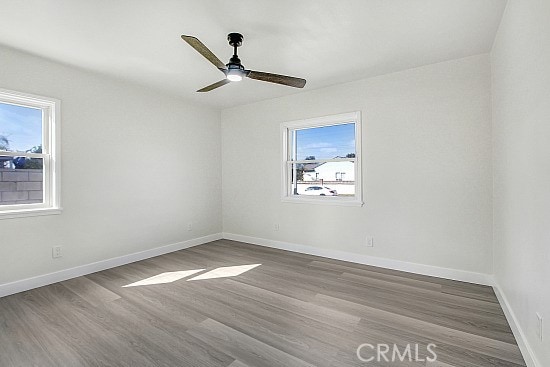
(324, 201)
(21, 213)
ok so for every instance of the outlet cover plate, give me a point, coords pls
(56, 252)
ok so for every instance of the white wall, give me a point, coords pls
(427, 170)
(521, 124)
(136, 168)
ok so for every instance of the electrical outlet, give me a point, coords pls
(56, 252)
(370, 241)
(539, 326)
(276, 227)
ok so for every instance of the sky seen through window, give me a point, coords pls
(325, 142)
(22, 126)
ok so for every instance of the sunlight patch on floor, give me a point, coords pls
(164, 278)
(172, 276)
(225, 272)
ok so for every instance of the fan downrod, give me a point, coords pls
(235, 40)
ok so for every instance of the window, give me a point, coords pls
(322, 160)
(29, 159)
(340, 176)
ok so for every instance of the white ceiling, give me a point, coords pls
(324, 41)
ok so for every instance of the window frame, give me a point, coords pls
(50, 155)
(287, 162)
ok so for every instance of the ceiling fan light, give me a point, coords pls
(234, 74)
(234, 77)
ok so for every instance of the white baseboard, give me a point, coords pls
(524, 347)
(435, 271)
(61, 275)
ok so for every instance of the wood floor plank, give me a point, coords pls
(448, 353)
(374, 274)
(243, 347)
(418, 305)
(60, 319)
(454, 316)
(237, 363)
(439, 364)
(495, 348)
(255, 321)
(280, 321)
(24, 342)
(470, 293)
(435, 295)
(264, 252)
(402, 274)
(277, 284)
(305, 309)
(89, 290)
(161, 340)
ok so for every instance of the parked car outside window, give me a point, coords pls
(321, 191)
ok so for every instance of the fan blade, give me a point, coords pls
(276, 78)
(214, 86)
(204, 51)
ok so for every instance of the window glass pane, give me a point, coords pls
(323, 179)
(21, 180)
(20, 128)
(327, 142)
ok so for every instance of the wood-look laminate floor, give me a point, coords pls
(193, 308)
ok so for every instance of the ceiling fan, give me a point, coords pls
(234, 71)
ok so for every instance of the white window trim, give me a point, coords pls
(50, 155)
(286, 195)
